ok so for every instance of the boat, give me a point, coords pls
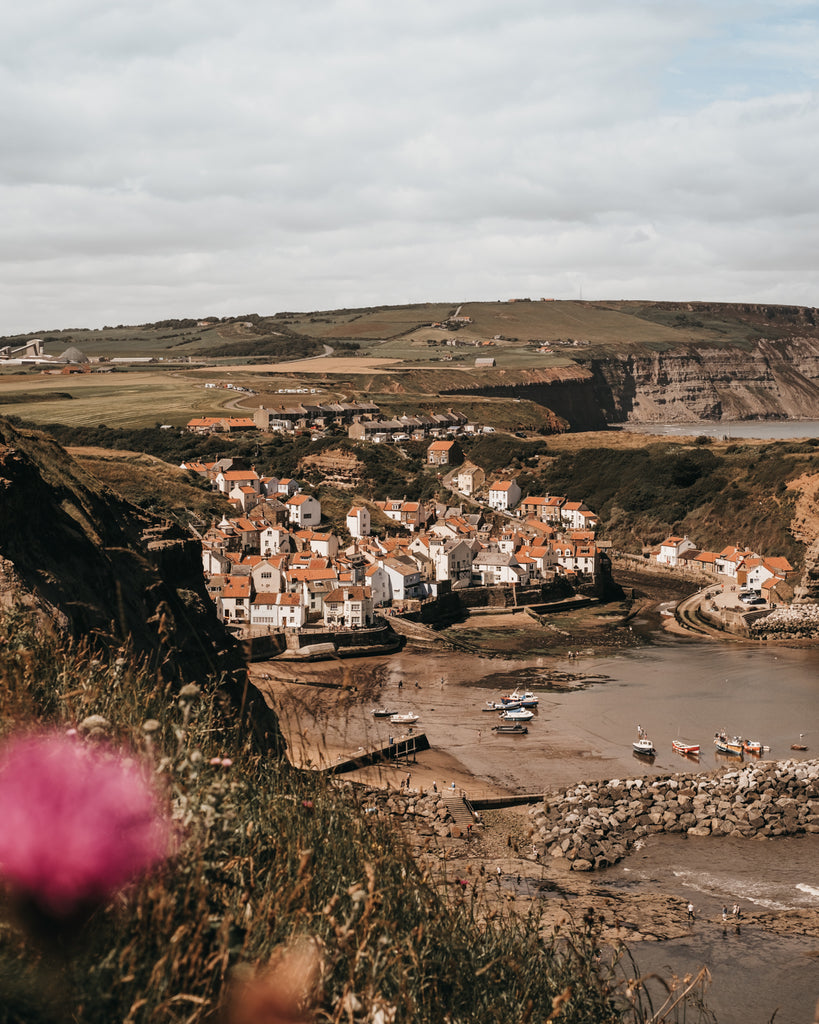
(684, 747)
(511, 729)
(407, 719)
(753, 747)
(732, 747)
(493, 705)
(518, 714)
(800, 745)
(643, 745)
(383, 712)
(523, 700)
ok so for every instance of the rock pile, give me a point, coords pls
(796, 622)
(427, 812)
(593, 825)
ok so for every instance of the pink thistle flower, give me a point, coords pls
(77, 823)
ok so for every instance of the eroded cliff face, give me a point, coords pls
(775, 380)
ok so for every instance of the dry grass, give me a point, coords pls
(268, 857)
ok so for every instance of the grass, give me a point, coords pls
(266, 857)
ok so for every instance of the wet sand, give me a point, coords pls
(583, 730)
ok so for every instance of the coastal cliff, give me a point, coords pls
(774, 380)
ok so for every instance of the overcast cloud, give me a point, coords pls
(193, 157)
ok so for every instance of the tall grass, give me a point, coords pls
(266, 856)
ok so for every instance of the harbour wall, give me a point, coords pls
(593, 825)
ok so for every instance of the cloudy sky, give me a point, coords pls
(166, 158)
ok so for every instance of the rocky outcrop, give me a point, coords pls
(81, 558)
(773, 380)
(594, 825)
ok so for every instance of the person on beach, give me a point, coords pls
(690, 911)
(725, 913)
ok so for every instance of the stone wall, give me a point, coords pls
(593, 825)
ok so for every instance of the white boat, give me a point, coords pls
(517, 715)
(643, 745)
(493, 705)
(407, 719)
(383, 712)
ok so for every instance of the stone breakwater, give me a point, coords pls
(796, 622)
(593, 825)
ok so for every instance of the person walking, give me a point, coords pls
(725, 913)
(690, 911)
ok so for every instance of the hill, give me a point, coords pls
(96, 568)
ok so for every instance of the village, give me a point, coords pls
(276, 566)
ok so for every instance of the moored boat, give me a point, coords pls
(383, 712)
(493, 705)
(523, 700)
(643, 745)
(753, 747)
(406, 719)
(684, 747)
(517, 714)
(726, 746)
(511, 729)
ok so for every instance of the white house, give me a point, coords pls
(358, 522)
(304, 510)
(278, 611)
(267, 575)
(325, 545)
(671, 549)
(233, 604)
(229, 478)
(405, 577)
(274, 539)
(504, 495)
(575, 515)
(491, 567)
(378, 581)
(470, 479)
(349, 606)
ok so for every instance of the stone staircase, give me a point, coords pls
(459, 812)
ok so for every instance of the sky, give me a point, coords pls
(187, 158)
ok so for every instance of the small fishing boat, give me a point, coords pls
(643, 746)
(517, 714)
(383, 712)
(510, 729)
(523, 700)
(493, 705)
(686, 748)
(753, 747)
(733, 747)
(407, 719)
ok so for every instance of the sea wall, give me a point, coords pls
(593, 825)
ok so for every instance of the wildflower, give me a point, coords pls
(78, 823)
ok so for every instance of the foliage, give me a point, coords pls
(734, 496)
(267, 855)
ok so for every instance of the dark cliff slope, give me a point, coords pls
(83, 558)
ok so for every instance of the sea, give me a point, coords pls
(767, 430)
(671, 686)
